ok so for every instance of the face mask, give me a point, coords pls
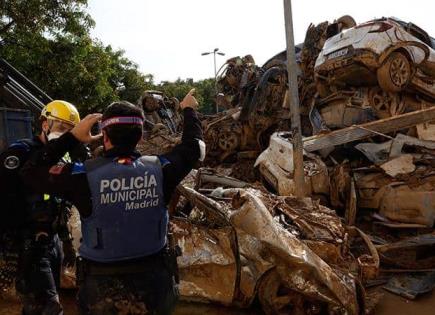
(54, 135)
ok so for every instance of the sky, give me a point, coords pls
(166, 37)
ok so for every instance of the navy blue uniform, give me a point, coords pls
(29, 221)
(122, 201)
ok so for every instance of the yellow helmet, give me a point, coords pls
(62, 111)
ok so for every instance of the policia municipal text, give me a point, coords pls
(125, 266)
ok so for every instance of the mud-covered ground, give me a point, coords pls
(389, 304)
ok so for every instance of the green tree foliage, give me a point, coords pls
(78, 69)
(43, 16)
(204, 91)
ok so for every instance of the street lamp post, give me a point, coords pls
(214, 52)
(298, 155)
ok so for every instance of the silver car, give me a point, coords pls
(388, 52)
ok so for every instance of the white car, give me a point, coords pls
(387, 52)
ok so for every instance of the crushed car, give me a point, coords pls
(239, 243)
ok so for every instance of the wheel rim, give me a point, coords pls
(399, 72)
(386, 104)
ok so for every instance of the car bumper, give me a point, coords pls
(355, 65)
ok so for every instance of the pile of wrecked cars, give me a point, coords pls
(366, 95)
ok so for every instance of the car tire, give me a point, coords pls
(395, 73)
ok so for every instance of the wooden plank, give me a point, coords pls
(359, 132)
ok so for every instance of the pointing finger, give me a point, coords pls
(191, 92)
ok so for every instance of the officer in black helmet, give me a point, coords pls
(125, 266)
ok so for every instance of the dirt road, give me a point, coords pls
(390, 304)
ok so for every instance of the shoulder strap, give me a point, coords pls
(92, 164)
(150, 159)
(24, 144)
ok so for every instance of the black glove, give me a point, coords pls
(69, 254)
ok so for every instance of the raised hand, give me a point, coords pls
(82, 131)
(189, 101)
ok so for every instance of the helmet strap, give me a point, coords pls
(46, 133)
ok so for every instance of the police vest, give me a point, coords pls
(129, 218)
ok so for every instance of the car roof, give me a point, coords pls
(419, 31)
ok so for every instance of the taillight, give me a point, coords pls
(381, 27)
(377, 26)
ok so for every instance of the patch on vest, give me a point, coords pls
(136, 192)
(57, 169)
(12, 162)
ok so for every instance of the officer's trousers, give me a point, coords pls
(149, 288)
(38, 276)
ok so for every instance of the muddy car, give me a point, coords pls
(240, 243)
(388, 52)
(160, 111)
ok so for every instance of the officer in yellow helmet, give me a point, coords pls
(57, 118)
(37, 222)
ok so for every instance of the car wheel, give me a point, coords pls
(385, 104)
(276, 299)
(395, 73)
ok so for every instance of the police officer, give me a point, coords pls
(35, 220)
(126, 266)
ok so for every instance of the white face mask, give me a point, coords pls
(54, 135)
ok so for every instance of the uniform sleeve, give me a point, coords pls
(42, 174)
(11, 189)
(183, 157)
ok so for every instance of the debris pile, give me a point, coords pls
(368, 154)
(240, 242)
(367, 116)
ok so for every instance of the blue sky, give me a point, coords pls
(166, 37)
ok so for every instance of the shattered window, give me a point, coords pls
(417, 32)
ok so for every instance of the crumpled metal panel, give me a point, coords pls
(410, 286)
(410, 201)
(410, 253)
(299, 267)
(276, 165)
(255, 262)
(207, 265)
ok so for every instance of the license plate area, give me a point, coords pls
(338, 53)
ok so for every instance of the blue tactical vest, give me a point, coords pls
(129, 217)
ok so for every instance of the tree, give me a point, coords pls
(49, 41)
(78, 69)
(179, 88)
(43, 16)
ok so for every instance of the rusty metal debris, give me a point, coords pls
(410, 286)
(160, 110)
(239, 243)
(369, 155)
(369, 149)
